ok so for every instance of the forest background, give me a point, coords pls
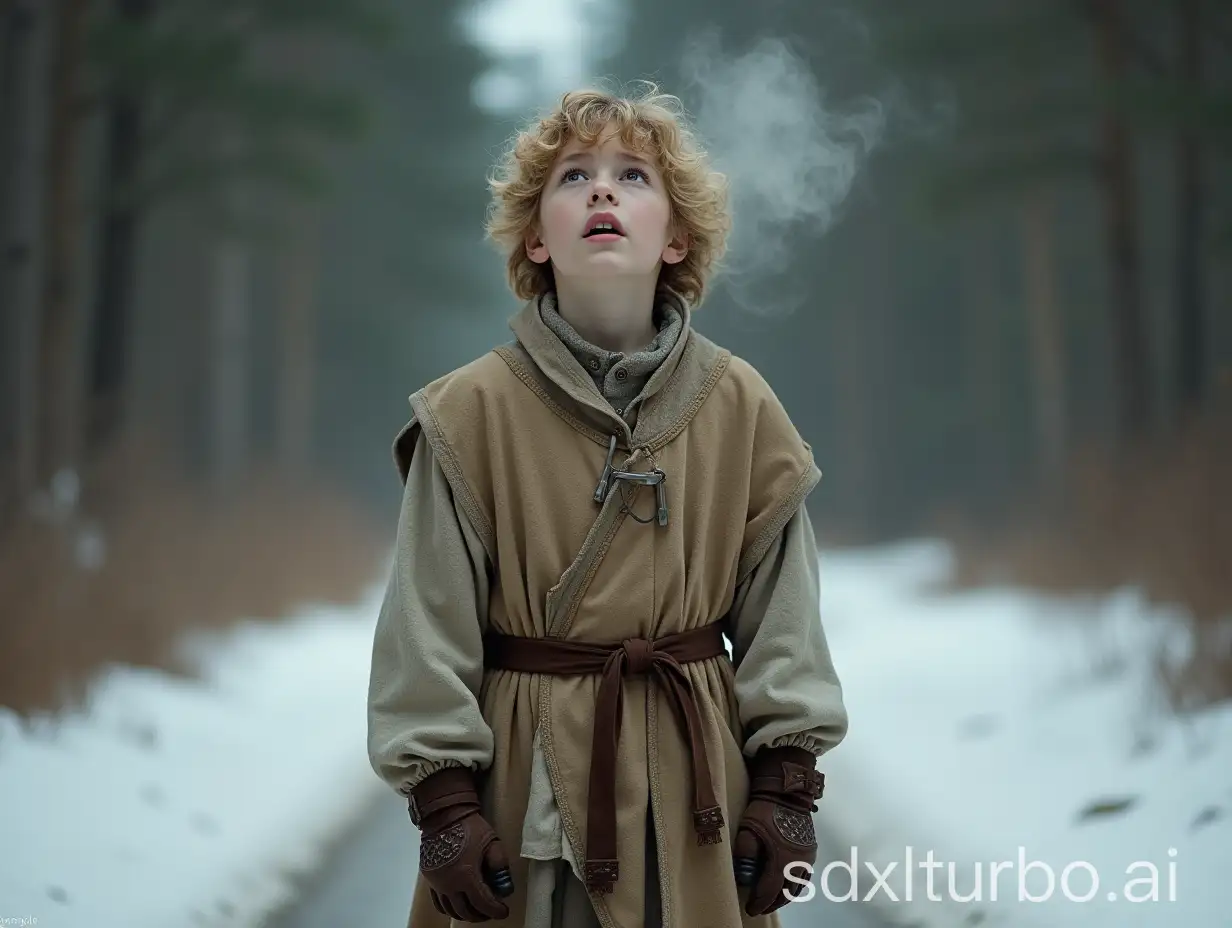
(981, 255)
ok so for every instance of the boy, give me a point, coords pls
(588, 510)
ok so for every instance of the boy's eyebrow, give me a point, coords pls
(587, 156)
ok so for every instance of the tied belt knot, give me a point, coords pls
(661, 659)
(639, 656)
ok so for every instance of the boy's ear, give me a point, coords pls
(676, 248)
(536, 250)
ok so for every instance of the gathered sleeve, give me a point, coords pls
(427, 654)
(785, 683)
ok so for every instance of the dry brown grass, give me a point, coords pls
(176, 560)
(1159, 518)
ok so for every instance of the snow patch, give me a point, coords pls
(168, 801)
(998, 725)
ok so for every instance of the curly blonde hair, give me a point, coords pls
(651, 123)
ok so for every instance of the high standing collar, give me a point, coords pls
(560, 366)
(638, 364)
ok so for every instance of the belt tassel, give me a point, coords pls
(708, 823)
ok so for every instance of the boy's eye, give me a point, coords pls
(568, 175)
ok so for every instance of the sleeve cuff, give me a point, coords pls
(419, 771)
(814, 745)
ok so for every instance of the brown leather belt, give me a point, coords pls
(662, 659)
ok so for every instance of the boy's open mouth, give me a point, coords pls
(602, 224)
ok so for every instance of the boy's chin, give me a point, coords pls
(609, 264)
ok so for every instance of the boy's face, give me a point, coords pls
(606, 178)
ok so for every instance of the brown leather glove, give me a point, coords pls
(459, 853)
(776, 829)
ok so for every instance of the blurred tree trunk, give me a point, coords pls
(298, 277)
(1047, 338)
(1190, 363)
(229, 350)
(117, 252)
(59, 406)
(230, 337)
(1130, 359)
(985, 365)
(23, 117)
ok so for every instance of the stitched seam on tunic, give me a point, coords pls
(660, 441)
(568, 822)
(572, 589)
(453, 471)
(686, 356)
(782, 514)
(524, 375)
(566, 815)
(584, 585)
(687, 350)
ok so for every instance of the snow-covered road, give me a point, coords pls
(1007, 734)
(169, 803)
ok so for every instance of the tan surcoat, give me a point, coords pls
(500, 531)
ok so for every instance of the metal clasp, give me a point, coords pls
(655, 478)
